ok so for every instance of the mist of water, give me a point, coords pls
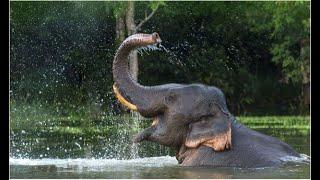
(172, 56)
(40, 131)
(134, 154)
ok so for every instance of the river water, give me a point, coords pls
(148, 167)
(67, 157)
(152, 167)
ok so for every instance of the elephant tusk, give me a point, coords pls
(122, 100)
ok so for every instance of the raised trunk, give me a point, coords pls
(147, 99)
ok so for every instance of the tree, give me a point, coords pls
(289, 24)
(58, 50)
(125, 25)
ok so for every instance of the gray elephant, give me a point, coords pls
(193, 119)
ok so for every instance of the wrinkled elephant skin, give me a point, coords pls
(193, 119)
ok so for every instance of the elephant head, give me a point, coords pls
(183, 115)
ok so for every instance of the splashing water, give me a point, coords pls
(173, 58)
(164, 48)
(146, 49)
(305, 159)
(97, 164)
(134, 151)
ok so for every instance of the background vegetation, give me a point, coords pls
(256, 52)
(61, 53)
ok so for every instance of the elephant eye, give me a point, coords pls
(170, 98)
(212, 108)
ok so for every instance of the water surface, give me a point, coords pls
(103, 155)
(153, 167)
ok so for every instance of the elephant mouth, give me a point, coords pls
(140, 137)
(146, 133)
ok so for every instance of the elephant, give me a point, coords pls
(193, 119)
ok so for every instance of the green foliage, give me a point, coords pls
(61, 53)
(155, 4)
(118, 7)
(289, 24)
(290, 122)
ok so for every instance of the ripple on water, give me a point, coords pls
(151, 167)
(161, 161)
(302, 159)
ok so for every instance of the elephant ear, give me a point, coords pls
(210, 131)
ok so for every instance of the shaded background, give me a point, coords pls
(62, 52)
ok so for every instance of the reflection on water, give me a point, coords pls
(153, 167)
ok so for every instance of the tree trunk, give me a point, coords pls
(133, 58)
(131, 28)
(133, 63)
(305, 55)
(120, 29)
(120, 35)
(126, 22)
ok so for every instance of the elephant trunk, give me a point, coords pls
(144, 99)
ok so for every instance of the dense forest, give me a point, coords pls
(61, 53)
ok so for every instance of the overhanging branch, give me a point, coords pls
(145, 20)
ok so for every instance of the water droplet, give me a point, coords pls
(78, 145)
